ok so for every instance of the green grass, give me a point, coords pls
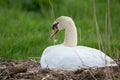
(22, 34)
(26, 34)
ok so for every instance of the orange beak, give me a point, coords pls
(54, 32)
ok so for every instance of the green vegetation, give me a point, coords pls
(25, 26)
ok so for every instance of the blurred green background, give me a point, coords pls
(25, 25)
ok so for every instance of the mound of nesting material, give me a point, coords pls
(30, 70)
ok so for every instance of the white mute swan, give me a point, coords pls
(68, 55)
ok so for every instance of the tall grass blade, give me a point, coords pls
(109, 27)
(108, 30)
(100, 43)
(53, 17)
(52, 10)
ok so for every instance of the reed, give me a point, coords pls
(99, 38)
(105, 46)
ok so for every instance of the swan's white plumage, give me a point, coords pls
(68, 55)
(72, 58)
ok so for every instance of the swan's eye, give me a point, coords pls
(55, 25)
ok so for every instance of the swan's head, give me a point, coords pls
(59, 24)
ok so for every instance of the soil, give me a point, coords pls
(31, 70)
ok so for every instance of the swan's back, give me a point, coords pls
(72, 58)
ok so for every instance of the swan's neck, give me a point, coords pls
(70, 39)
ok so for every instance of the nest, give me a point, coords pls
(31, 70)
